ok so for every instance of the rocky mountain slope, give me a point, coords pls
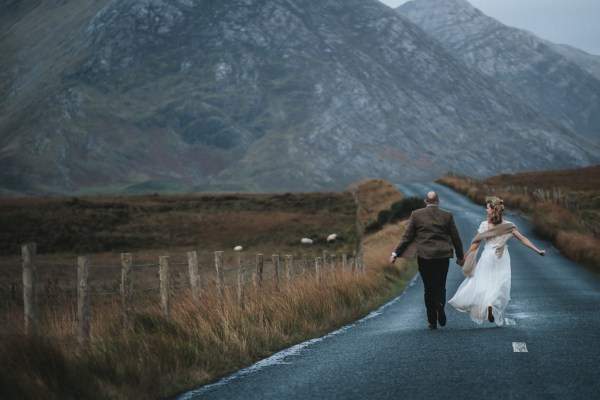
(589, 62)
(551, 78)
(253, 95)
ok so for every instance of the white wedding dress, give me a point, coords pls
(489, 285)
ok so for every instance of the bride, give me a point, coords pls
(486, 290)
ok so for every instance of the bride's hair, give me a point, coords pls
(497, 206)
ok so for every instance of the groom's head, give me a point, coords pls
(432, 198)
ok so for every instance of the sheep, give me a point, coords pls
(306, 241)
(238, 248)
(331, 238)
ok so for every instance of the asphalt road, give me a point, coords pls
(549, 347)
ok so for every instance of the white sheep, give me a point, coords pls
(332, 237)
(306, 241)
(238, 248)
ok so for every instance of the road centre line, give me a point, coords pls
(519, 347)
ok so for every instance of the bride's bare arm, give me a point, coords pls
(528, 243)
(474, 247)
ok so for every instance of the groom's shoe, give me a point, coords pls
(432, 326)
(441, 314)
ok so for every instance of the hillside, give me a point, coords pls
(548, 77)
(114, 97)
(259, 222)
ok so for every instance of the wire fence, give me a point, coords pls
(563, 198)
(73, 296)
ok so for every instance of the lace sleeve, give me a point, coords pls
(482, 227)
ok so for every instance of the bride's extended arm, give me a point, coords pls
(527, 243)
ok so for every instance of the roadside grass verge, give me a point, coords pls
(564, 206)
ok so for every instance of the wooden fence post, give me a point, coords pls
(83, 300)
(344, 261)
(289, 263)
(195, 282)
(241, 280)
(304, 264)
(259, 268)
(220, 277)
(361, 263)
(30, 305)
(325, 260)
(126, 289)
(318, 268)
(165, 284)
(275, 259)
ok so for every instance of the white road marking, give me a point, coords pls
(519, 347)
(509, 321)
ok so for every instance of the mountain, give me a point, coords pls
(544, 75)
(128, 96)
(588, 62)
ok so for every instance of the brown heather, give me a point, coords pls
(564, 206)
(200, 341)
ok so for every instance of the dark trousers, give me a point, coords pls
(434, 273)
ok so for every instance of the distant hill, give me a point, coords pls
(559, 81)
(147, 96)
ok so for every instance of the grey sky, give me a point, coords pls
(572, 22)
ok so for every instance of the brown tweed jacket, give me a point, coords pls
(430, 233)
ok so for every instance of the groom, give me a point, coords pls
(431, 235)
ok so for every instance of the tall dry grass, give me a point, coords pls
(563, 206)
(199, 341)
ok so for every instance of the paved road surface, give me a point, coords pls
(548, 349)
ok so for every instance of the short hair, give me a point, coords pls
(432, 198)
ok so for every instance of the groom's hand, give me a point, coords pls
(460, 261)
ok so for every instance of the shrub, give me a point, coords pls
(402, 209)
(398, 211)
(373, 226)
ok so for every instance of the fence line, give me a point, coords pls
(553, 195)
(166, 272)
